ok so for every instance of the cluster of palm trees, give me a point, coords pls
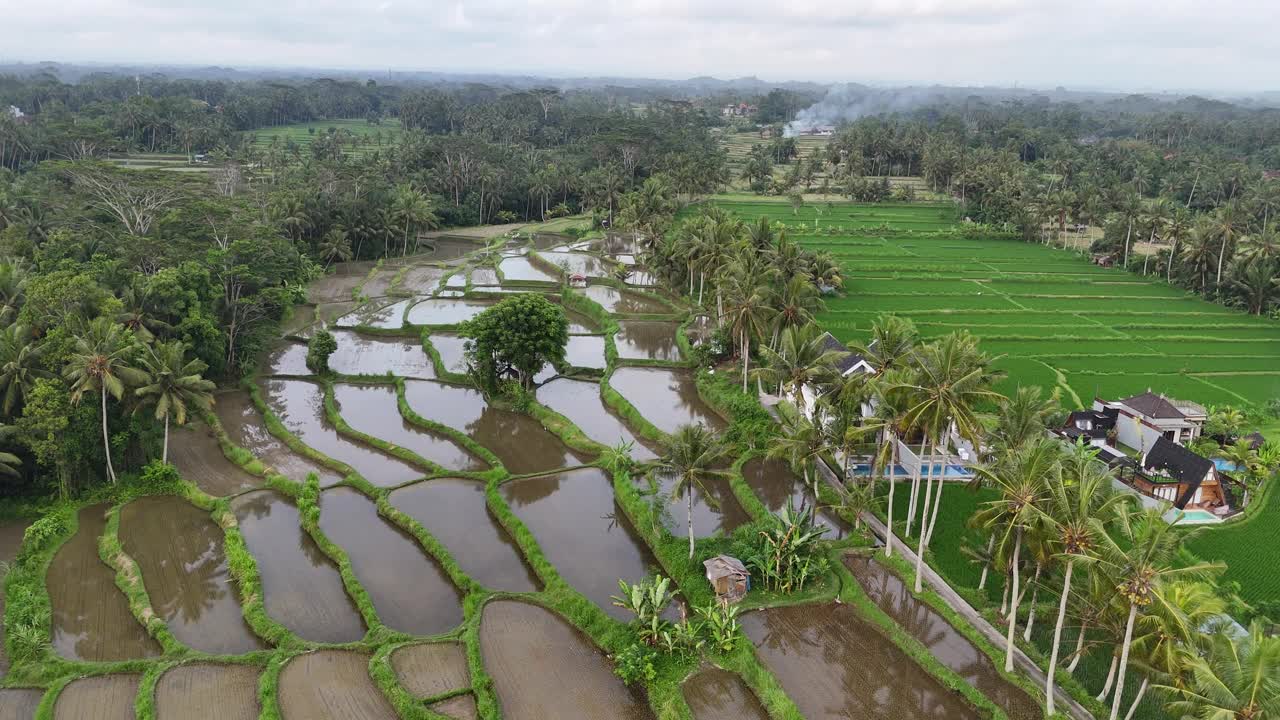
(112, 357)
(1056, 526)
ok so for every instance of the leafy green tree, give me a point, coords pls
(516, 337)
(20, 366)
(102, 363)
(320, 347)
(690, 457)
(43, 426)
(1233, 679)
(173, 383)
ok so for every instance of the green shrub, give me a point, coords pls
(636, 664)
(321, 345)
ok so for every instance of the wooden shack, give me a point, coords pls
(729, 577)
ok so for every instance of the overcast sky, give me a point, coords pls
(1228, 45)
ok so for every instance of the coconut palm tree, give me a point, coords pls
(102, 362)
(1164, 635)
(411, 208)
(1140, 559)
(335, 246)
(1199, 251)
(1023, 478)
(689, 457)
(892, 342)
(796, 303)
(1022, 417)
(173, 383)
(801, 445)
(1234, 679)
(1226, 223)
(1257, 283)
(1071, 505)
(20, 367)
(801, 360)
(748, 313)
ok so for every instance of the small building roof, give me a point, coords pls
(1154, 406)
(1178, 463)
(1256, 440)
(725, 566)
(847, 360)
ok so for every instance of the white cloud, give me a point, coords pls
(1088, 43)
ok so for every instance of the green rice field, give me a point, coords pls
(370, 137)
(1056, 320)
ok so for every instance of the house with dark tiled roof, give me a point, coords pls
(847, 363)
(1095, 426)
(1147, 417)
(1172, 472)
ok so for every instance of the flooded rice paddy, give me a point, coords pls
(431, 669)
(519, 441)
(20, 703)
(455, 512)
(202, 691)
(452, 349)
(954, 650)
(374, 410)
(409, 589)
(647, 340)
(520, 269)
(178, 548)
(301, 587)
(289, 358)
(91, 617)
(623, 302)
(198, 456)
(542, 667)
(421, 280)
(245, 428)
(444, 311)
(585, 351)
(105, 697)
(300, 406)
(578, 263)
(383, 315)
(582, 531)
(715, 694)
(364, 355)
(775, 484)
(462, 707)
(834, 666)
(667, 398)
(580, 402)
(715, 509)
(331, 685)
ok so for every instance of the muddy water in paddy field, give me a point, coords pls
(484, 276)
(835, 666)
(666, 398)
(452, 349)
(373, 410)
(300, 320)
(195, 452)
(377, 314)
(288, 358)
(579, 263)
(409, 589)
(640, 277)
(647, 340)
(331, 685)
(453, 510)
(519, 441)
(339, 285)
(10, 541)
(715, 694)
(585, 351)
(300, 406)
(364, 355)
(105, 697)
(378, 285)
(432, 669)
(462, 707)
(582, 531)
(519, 268)
(301, 587)
(19, 703)
(91, 617)
(444, 312)
(949, 646)
(421, 280)
(208, 692)
(580, 323)
(542, 668)
(774, 483)
(245, 428)
(178, 548)
(715, 509)
(580, 401)
(627, 303)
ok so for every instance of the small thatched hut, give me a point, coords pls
(729, 577)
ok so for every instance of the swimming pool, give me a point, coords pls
(1225, 465)
(939, 469)
(1198, 517)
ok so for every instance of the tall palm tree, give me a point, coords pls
(797, 302)
(801, 360)
(173, 383)
(1022, 477)
(1082, 495)
(1178, 227)
(1141, 558)
(1233, 680)
(335, 245)
(1022, 417)
(1199, 251)
(800, 446)
(1225, 222)
(101, 362)
(411, 208)
(20, 367)
(1257, 282)
(892, 342)
(1164, 635)
(1129, 210)
(748, 313)
(690, 456)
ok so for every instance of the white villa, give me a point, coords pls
(1143, 419)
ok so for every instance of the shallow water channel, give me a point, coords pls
(834, 666)
(949, 646)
